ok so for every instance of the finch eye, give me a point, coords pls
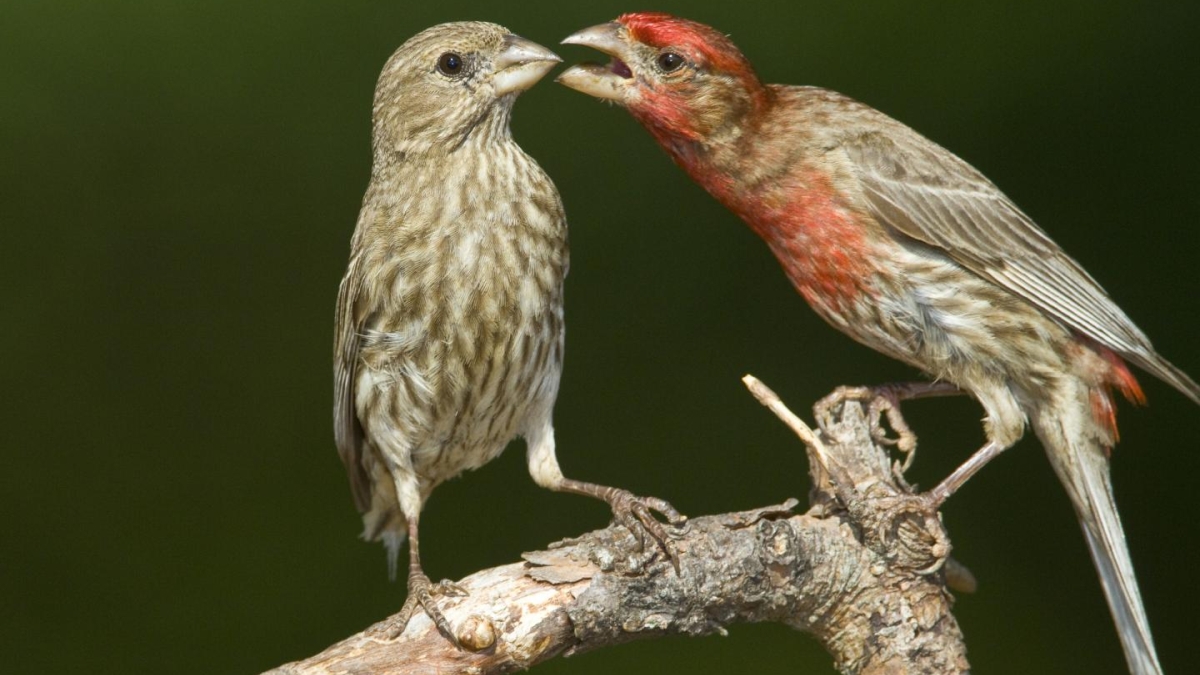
(669, 62)
(450, 63)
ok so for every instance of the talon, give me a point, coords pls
(680, 527)
(883, 401)
(421, 595)
(911, 529)
(636, 514)
(823, 410)
(448, 589)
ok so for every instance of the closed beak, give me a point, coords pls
(521, 64)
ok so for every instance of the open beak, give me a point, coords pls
(521, 64)
(610, 81)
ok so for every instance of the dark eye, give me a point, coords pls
(669, 62)
(450, 63)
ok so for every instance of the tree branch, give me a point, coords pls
(861, 572)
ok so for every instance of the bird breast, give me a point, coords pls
(466, 343)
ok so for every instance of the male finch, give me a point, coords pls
(449, 337)
(909, 250)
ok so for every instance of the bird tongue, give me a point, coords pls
(615, 66)
(618, 67)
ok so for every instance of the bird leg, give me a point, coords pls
(422, 594)
(634, 512)
(938, 495)
(884, 400)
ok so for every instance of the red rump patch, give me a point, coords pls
(1122, 379)
(1119, 376)
(659, 30)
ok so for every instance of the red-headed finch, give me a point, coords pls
(449, 337)
(908, 249)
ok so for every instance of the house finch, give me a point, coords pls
(909, 250)
(449, 337)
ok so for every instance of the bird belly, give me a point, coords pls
(445, 387)
(456, 402)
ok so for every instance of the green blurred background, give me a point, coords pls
(178, 185)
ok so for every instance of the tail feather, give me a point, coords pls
(393, 540)
(383, 520)
(1081, 463)
(1167, 372)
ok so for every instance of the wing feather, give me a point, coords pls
(347, 430)
(927, 193)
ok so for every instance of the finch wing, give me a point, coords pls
(347, 431)
(927, 193)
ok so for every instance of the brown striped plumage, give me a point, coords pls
(908, 249)
(449, 339)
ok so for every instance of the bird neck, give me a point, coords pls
(396, 138)
(764, 173)
(712, 145)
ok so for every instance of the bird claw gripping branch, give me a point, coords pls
(636, 514)
(422, 595)
(884, 400)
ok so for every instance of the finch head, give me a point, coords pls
(678, 77)
(450, 80)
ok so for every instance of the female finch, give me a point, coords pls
(449, 337)
(909, 250)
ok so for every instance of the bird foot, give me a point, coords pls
(881, 401)
(636, 514)
(884, 400)
(911, 532)
(422, 594)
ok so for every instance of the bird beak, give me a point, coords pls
(610, 82)
(521, 64)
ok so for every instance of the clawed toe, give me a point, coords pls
(910, 528)
(881, 402)
(448, 589)
(637, 515)
(422, 594)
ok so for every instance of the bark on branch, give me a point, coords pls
(862, 571)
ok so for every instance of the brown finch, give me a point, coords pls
(909, 250)
(449, 337)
